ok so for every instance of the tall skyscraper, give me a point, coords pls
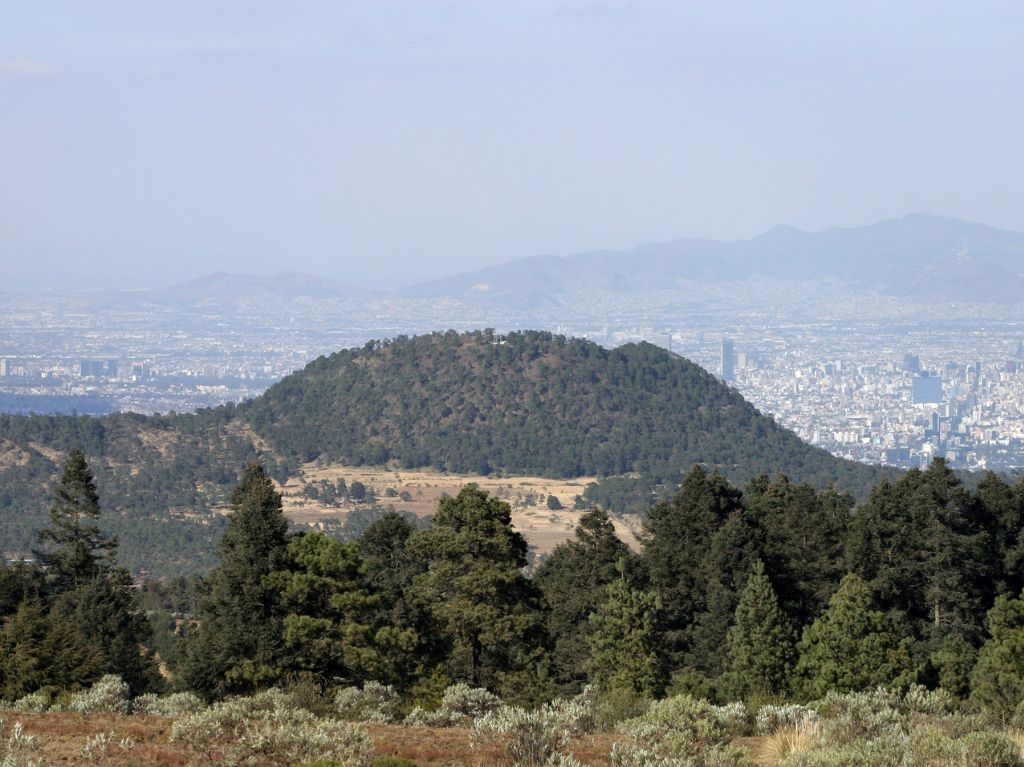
(927, 388)
(727, 366)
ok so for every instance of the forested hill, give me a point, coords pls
(526, 403)
(530, 403)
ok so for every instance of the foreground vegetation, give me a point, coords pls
(372, 725)
(885, 633)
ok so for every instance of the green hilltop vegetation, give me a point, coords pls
(527, 403)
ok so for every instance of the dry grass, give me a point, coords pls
(786, 742)
(63, 735)
(543, 528)
(1017, 736)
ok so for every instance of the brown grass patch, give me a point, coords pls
(543, 528)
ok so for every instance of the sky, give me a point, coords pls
(385, 142)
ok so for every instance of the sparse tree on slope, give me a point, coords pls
(74, 549)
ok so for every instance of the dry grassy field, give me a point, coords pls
(63, 736)
(543, 528)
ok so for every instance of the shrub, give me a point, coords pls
(734, 718)
(616, 705)
(103, 745)
(35, 702)
(460, 705)
(175, 705)
(677, 732)
(108, 695)
(989, 749)
(577, 716)
(18, 748)
(528, 738)
(771, 719)
(266, 727)
(375, 702)
(394, 761)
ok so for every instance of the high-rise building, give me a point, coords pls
(911, 362)
(727, 364)
(927, 389)
(5, 367)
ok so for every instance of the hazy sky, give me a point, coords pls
(148, 141)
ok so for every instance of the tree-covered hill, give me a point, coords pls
(530, 403)
(525, 403)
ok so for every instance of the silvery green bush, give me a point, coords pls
(460, 705)
(677, 732)
(269, 728)
(771, 719)
(34, 702)
(374, 702)
(108, 695)
(176, 704)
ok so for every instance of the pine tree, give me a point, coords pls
(761, 643)
(24, 666)
(333, 626)
(997, 682)
(677, 536)
(624, 642)
(486, 616)
(733, 551)
(573, 580)
(923, 548)
(237, 646)
(850, 647)
(74, 548)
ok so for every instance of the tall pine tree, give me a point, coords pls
(74, 550)
(624, 642)
(238, 645)
(485, 614)
(573, 580)
(761, 643)
(850, 647)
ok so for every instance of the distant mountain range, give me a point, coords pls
(921, 257)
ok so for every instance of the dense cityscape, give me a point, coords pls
(893, 392)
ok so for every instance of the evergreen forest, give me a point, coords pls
(528, 403)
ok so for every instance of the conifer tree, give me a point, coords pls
(997, 682)
(333, 626)
(733, 551)
(485, 614)
(237, 646)
(74, 548)
(677, 536)
(850, 647)
(573, 580)
(95, 625)
(624, 642)
(761, 643)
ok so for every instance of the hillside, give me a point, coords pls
(524, 404)
(528, 403)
